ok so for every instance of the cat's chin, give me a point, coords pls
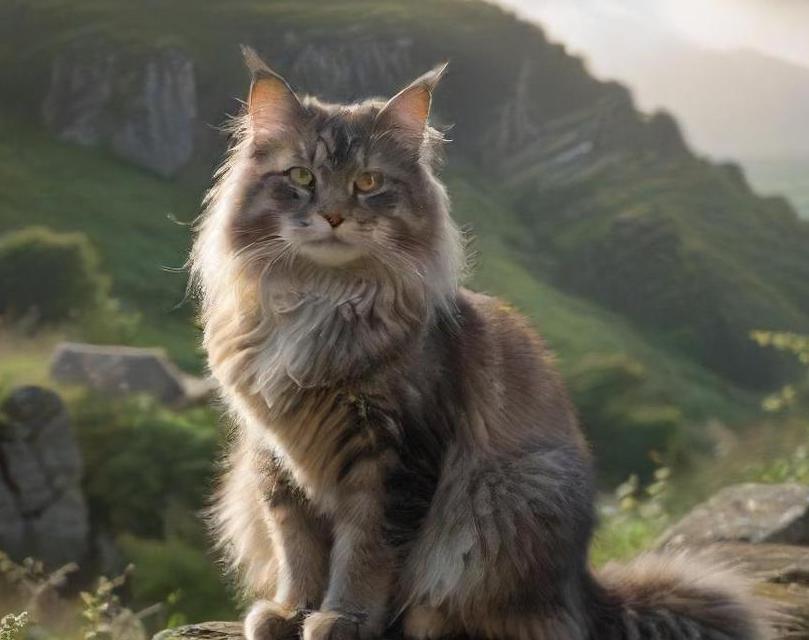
(330, 253)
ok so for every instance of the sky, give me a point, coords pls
(778, 28)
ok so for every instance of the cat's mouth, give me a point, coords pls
(328, 240)
(330, 250)
(324, 243)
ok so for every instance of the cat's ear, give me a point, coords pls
(272, 105)
(406, 113)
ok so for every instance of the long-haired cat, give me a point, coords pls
(406, 458)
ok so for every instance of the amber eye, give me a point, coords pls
(301, 176)
(369, 181)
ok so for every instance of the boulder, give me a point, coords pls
(42, 510)
(143, 107)
(124, 370)
(756, 513)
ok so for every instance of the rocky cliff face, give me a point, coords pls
(350, 68)
(142, 106)
(42, 510)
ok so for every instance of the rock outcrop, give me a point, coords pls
(204, 631)
(756, 513)
(42, 510)
(123, 370)
(143, 107)
(346, 69)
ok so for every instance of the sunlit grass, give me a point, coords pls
(26, 359)
(622, 538)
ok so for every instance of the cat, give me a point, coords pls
(406, 459)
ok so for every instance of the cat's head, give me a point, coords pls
(336, 186)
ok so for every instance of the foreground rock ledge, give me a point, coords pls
(780, 572)
(204, 631)
(750, 512)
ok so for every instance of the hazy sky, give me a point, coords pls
(776, 27)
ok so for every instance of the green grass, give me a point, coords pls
(622, 538)
(127, 213)
(25, 359)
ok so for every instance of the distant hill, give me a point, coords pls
(740, 104)
(645, 265)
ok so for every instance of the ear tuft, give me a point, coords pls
(253, 61)
(434, 75)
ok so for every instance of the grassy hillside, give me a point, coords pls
(683, 249)
(131, 216)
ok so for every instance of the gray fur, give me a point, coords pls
(405, 455)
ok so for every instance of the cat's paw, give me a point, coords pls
(331, 625)
(426, 623)
(268, 620)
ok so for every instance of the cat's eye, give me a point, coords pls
(301, 176)
(369, 181)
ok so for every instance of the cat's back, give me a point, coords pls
(510, 371)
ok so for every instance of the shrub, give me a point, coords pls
(148, 472)
(182, 576)
(626, 423)
(52, 275)
(795, 394)
(49, 277)
(143, 461)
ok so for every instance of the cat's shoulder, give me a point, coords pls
(496, 314)
(489, 307)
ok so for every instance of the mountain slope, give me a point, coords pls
(124, 210)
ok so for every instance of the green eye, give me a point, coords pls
(301, 176)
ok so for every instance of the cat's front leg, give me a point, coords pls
(301, 549)
(362, 561)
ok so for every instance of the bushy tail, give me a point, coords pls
(677, 597)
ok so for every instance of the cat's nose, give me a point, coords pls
(334, 219)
